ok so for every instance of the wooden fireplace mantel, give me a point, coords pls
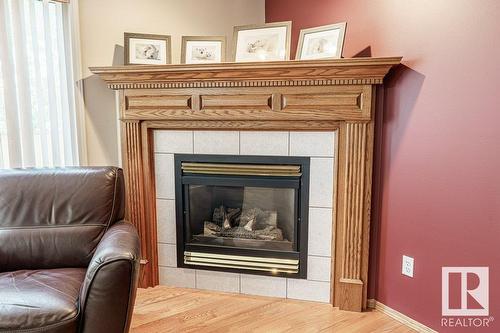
(315, 95)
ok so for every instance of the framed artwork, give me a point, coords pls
(325, 42)
(203, 49)
(266, 42)
(147, 49)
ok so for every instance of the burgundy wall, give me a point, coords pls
(440, 143)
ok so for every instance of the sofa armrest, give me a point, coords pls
(108, 292)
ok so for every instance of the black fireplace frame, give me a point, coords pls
(300, 243)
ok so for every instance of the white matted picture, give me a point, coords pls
(325, 42)
(203, 49)
(267, 42)
(147, 49)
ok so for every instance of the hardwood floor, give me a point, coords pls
(166, 309)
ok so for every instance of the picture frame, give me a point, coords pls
(147, 49)
(203, 49)
(323, 42)
(265, 42)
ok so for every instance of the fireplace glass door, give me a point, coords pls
(242, 213)
(242, 216)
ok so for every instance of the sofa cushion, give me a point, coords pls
(34, 299)
(54, 218)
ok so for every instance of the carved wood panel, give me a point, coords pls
(236, 101)
(181, 102)
(276, 103)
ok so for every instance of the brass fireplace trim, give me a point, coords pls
(273, 270)
(242, 169)
(246, 258)
(274, 265)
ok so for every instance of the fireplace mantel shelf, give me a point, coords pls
(315, 95)
(288, 73)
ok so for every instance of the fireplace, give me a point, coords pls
(244, 214)
(307, 95)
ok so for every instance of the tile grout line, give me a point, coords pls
(319, 256)
(165, 199)
(174, 244)
(322, 281)
(289, 142)
(192, 136)
(239, 142)
(322, 207)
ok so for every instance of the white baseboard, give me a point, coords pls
(404, 319)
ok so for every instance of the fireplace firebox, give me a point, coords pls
(245, 214)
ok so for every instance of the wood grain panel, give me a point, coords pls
(267, 91)
(240, 101)
(134, 181)
(277, 73)
(349, 104)
(149, 201)
(232, 125)
(247, 114)
(252, 104)
(159, 101)
(353, 214)
(325, 101)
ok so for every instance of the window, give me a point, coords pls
(38, 124)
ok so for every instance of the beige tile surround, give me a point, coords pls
(317, 145)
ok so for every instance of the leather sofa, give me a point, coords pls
(68, 261)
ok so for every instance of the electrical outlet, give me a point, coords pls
(408, 266)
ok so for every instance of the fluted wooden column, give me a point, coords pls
(355, 157)
(135, 199)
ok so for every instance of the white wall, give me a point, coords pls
(102, 24)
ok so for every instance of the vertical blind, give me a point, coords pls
(37, 106)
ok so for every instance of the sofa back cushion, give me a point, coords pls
(54, 218)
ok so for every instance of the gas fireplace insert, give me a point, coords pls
(245, 214)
